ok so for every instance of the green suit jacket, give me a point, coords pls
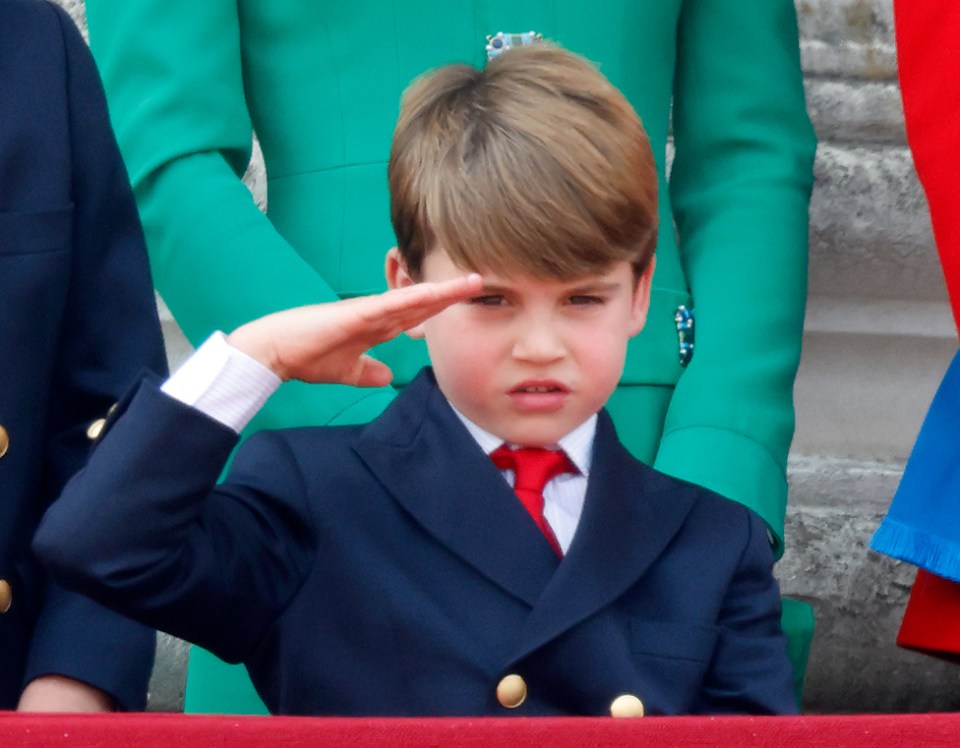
(320, 82)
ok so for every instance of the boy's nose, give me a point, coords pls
(538, 342)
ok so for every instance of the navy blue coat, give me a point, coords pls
(388, 569)
(77, 325)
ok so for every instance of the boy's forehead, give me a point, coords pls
(437, 257)
(507, 274)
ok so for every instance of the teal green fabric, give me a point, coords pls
(320, 83)
(796, 618)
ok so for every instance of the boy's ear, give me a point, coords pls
(395, 269)
(641, 298)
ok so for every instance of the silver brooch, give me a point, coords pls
(684, 320)
(500, 42)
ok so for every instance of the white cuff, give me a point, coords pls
(223, 382)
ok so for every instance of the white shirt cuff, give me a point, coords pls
(223, 382)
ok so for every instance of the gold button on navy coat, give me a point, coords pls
(78, 325)
(6, 596)
(95, 429)
(626, 705)
(511, 691)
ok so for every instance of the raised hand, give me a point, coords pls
(329, 342)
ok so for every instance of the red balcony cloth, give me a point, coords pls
(196, 731)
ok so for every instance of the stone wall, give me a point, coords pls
(878, 337)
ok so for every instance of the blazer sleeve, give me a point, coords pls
(740, 187)
(174, 79)
(145, 530)
(110, 332)
(750, 672)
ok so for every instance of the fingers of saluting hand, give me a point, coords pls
(328, 342)
(390, 313)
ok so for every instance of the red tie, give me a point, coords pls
(533, 468)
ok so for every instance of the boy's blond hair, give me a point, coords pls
(534, 164)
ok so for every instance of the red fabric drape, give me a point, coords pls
(194, 731)
(928, 62)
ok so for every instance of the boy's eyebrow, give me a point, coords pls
(597, 287)
(494, 288)
(588, 287)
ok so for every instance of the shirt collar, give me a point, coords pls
(577, 444)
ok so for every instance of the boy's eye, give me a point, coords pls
(584, 300)
(488, 300)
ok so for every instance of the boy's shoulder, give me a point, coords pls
(712, 504)
(337, 446)
(701, 521)
(705, 506)
(308, 440)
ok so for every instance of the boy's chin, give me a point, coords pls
(542, 436)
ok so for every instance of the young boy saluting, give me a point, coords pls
(390, 568)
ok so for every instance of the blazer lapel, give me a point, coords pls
(425, 458)
(630, 515)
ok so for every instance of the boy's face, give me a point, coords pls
(530, 360)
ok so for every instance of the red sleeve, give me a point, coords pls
(928, 52)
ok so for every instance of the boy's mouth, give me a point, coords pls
(539, 396)
(538, 388)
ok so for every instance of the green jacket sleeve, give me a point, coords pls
(174, 79)
(740, 187)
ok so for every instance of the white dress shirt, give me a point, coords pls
(223, 382)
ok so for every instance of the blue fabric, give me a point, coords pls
(922, 526)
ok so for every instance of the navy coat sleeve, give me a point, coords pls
(80, 325)
(159, 540)
(748, 673)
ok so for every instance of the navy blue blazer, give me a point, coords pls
(388, 569)
(79, 323)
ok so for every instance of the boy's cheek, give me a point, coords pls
(468, 365)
